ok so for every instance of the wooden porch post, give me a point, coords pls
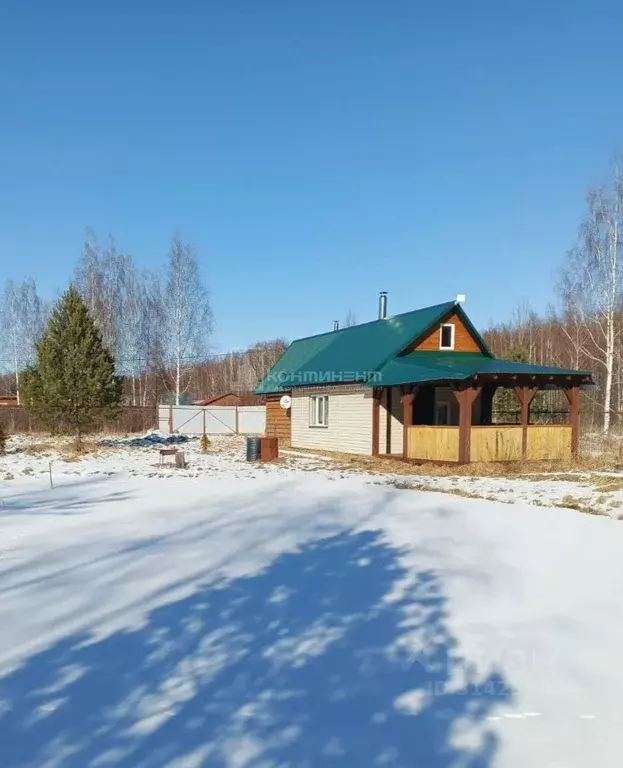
(388, 425)
(573, 396)
(465, 398)
(525, 395)
(407, 401)
(376, 409)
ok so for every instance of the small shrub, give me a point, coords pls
(571, 502)
(402, 485)
(4, 437)
(204, 442)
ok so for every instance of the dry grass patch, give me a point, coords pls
(535, 470)
(62, 445)
(71, 458)
(607, 484)
(71, 452)
(568, 502)
(571, 502)
(580, 505)
(568, 477)
(37, 448)
(404, 486)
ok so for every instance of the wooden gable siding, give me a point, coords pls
(463, 339)
(278, 421)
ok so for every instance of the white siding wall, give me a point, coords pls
(350, 420)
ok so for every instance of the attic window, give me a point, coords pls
(446, 340)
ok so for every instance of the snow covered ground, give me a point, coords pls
(598, 493)
(593, 492)
(136, 456)
(290, 615)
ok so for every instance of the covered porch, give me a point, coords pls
(453, 421)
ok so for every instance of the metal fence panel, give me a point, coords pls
(218, 420)
(251, 419)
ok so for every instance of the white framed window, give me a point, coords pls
(446, 336)
(319, 411)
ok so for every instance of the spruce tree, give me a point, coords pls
(72, 387)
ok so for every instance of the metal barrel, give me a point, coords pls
(253, 448)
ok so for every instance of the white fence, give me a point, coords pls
(215, 419)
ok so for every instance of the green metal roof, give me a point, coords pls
(455, 366)
(279, 378)
(352, 354)
(369, 353)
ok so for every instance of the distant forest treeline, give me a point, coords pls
(158, 323)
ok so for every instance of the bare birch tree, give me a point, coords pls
(187, 314)
(350, 319)
(590, 284)
(23, 320)
(132, 345)
(100, 277)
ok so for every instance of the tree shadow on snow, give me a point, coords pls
(66, 498)
(332, 656)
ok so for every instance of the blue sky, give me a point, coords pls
(314, 152)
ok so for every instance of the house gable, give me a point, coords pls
(464, 339)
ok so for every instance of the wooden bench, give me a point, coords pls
(166, 452)
(180, 458)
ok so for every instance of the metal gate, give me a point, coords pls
(213, 420)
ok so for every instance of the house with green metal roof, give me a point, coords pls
(419, 386)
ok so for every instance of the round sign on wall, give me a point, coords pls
(285, 402)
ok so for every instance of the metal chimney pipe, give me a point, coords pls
(336, 325)
(382, 305)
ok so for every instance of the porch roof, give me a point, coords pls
(456, 366)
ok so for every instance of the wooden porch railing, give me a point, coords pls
(433, 443)
(496, 443)
(491, 443)
(549, 441)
